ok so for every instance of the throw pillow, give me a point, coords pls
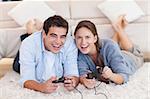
(114, 8)
(27, 10)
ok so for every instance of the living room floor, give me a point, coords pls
(5, 66)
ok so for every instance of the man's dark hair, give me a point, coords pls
(55, 21)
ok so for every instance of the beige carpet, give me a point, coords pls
(137, 88)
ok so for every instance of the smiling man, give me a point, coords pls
(47, 56)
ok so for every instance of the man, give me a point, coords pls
(48, 55)
(32, 26)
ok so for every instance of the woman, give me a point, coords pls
(117, 64)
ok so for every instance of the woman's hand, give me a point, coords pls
(88, 83)
(71, 82)
(107, 73)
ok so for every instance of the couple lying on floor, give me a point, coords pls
(46, 56)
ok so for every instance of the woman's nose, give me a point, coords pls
(83, 41)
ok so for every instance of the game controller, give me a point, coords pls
(97, 76)
(91, 75)
(60, 80)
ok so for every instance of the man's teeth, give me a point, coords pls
(56, 46)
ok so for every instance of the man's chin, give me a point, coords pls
(55, 50)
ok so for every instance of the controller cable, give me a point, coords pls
(79, 92)
(96, 93)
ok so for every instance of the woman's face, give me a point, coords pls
(85, 40)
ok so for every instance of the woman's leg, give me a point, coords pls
(126, 44)
(120, 37)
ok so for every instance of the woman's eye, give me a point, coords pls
(87, 37)
(78, 37)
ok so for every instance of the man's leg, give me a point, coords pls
(16, 64)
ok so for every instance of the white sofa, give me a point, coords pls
(73, 11)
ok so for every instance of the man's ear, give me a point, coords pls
(43, 34)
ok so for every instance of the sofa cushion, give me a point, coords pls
(10, 41)
(61, 7)
(88, 9)
(5, 8)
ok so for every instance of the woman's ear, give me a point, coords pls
(95, 38)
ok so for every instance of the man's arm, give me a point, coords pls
(46, 87)
(70, 64)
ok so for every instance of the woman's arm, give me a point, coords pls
(108, 74)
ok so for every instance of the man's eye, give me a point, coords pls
(53, 35)
(64, 36)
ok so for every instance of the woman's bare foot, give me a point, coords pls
(120, 37)
(120, 24)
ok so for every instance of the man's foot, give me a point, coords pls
(30, 26)
(33, 25)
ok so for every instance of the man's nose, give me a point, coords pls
(58, 40)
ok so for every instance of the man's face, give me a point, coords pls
(55, 39)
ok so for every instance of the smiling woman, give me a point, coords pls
(117, 63)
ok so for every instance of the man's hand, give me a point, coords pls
(48, 86)
(71, 82)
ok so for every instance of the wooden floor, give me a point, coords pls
(5, 65)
